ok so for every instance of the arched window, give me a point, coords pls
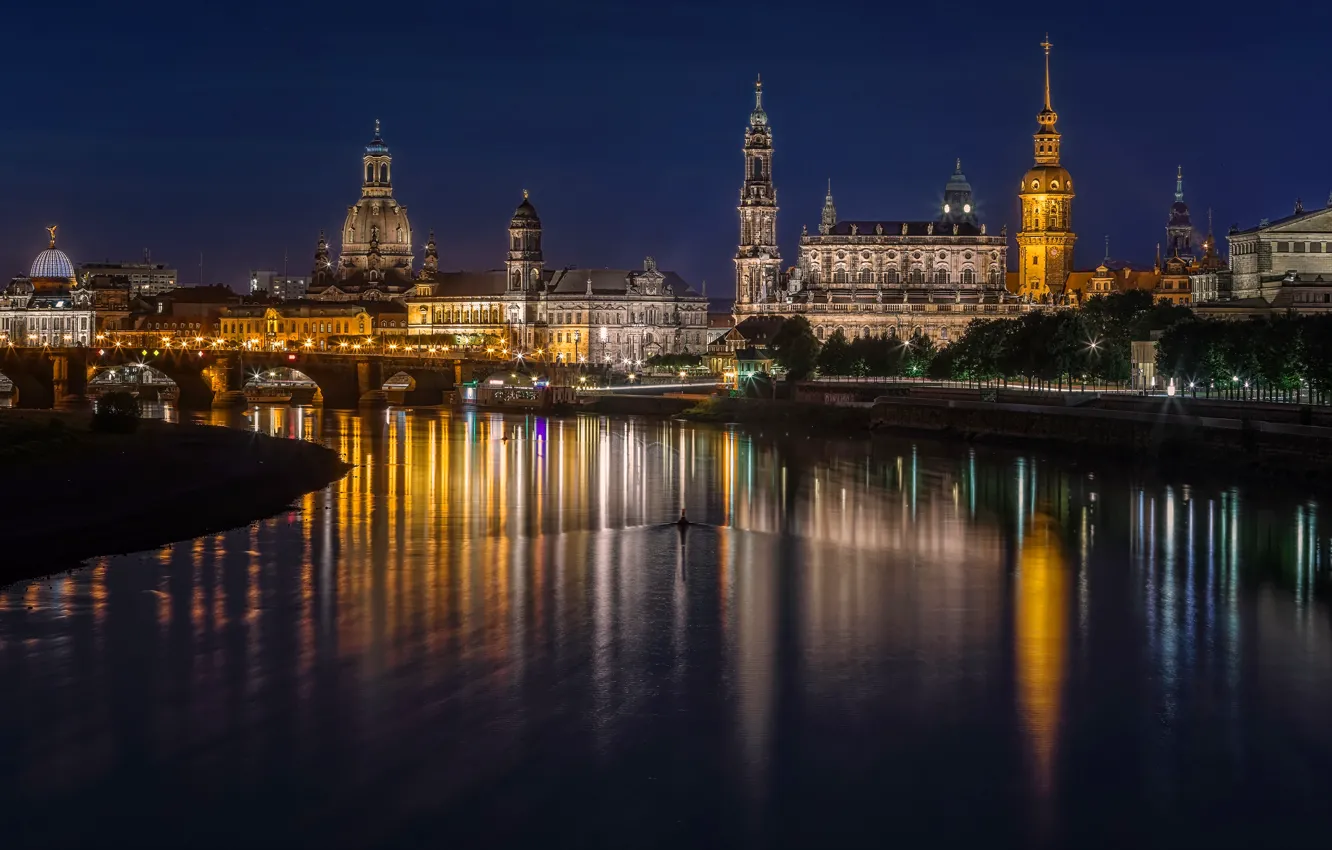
(968, 277)
(757, 170)
(369, 173)
(818, 332)
(917, 276)
(866, 276)
(840, 276)
(894, 277)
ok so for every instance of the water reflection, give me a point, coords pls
(495, 615)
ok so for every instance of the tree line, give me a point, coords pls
(1055, 348)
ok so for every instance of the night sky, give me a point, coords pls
(236, 130)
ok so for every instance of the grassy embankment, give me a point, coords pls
(74, 494)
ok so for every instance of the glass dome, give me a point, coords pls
(52, 263)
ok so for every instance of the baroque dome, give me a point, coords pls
(1041, 180)
(381, 220)
(526, 214)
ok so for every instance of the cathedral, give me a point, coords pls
(867, 277)
(615, 318)
(376, 258)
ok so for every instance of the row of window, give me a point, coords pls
(261, 326)
(890, 333)
(893, 277)
(1301, 247)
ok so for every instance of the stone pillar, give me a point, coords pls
(69, 383)
(370, 384)
(228, 379)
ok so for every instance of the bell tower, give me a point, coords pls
(378, 167)
(757, 259)
(1045, 243)
(525, 262)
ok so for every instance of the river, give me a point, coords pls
(491, 634)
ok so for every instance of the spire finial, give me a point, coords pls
(51, 230)
(959, 165)
(1107, 249)
(1179, 184)
(1046, 44)
(1209, 221)
(758, 92)
(830, 187)
(376, 127)
(524, 194)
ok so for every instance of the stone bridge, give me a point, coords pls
(56, 377)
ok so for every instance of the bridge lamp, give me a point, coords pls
(309, 343)
(393, 346)
(166, 340)
(343, 343)
(199, 340)
(356, 347)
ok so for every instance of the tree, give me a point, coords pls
(835, 356)
(795, 348)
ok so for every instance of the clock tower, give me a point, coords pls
(1045, 243)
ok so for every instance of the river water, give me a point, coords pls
(490, 634)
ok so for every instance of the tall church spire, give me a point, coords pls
(1179, 185)
(829, 219)
(1047, 137)
(757, 258)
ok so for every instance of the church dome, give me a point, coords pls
(1044, 179)
(381, 220)
(525, 215)
(52, 264)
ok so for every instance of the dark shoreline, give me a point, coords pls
(95, 495)
(1170, 458)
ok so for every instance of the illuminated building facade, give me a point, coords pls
(146, 278)
(48, 307)
(312, 325)
(1045, 243)
(868, 278)
(603, 317)
(376, 258)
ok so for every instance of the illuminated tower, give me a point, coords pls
(376, 235)
(525, 260)
(1179, 228)
(757, 259)
(1045, 243)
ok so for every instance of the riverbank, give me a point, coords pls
(777, 413)
(1162, 438)
(76, 494)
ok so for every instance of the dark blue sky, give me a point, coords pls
(236, 130)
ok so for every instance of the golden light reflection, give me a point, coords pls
(1040, 625)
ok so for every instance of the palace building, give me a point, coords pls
(49, 306)
(867, 277)
(605, 317)
(376, 258)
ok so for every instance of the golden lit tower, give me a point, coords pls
(1045, 243)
